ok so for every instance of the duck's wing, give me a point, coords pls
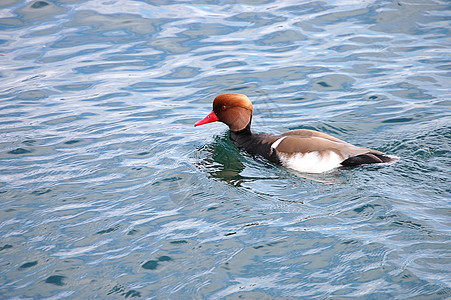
(307, 133)
(294, 144)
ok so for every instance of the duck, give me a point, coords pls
(303, 150)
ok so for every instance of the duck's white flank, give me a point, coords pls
(312, 162)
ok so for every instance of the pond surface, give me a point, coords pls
(108, 191)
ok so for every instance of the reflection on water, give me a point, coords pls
(108, 190)
(222, 161)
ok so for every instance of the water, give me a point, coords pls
(108, 190)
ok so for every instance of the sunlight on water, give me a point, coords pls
(109, 191)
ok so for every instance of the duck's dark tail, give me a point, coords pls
(369, 158)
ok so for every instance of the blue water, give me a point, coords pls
(108, 191)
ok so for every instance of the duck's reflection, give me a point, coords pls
(221, 159)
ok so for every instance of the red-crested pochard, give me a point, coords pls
(301, 149)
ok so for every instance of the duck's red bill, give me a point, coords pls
(208, 119)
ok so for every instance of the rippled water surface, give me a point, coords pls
(108, 191)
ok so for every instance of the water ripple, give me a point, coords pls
(103, 175)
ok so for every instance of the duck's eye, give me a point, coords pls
(223, 107)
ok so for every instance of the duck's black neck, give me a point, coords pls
(242, 138)
(245, 131)
(254, 144)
